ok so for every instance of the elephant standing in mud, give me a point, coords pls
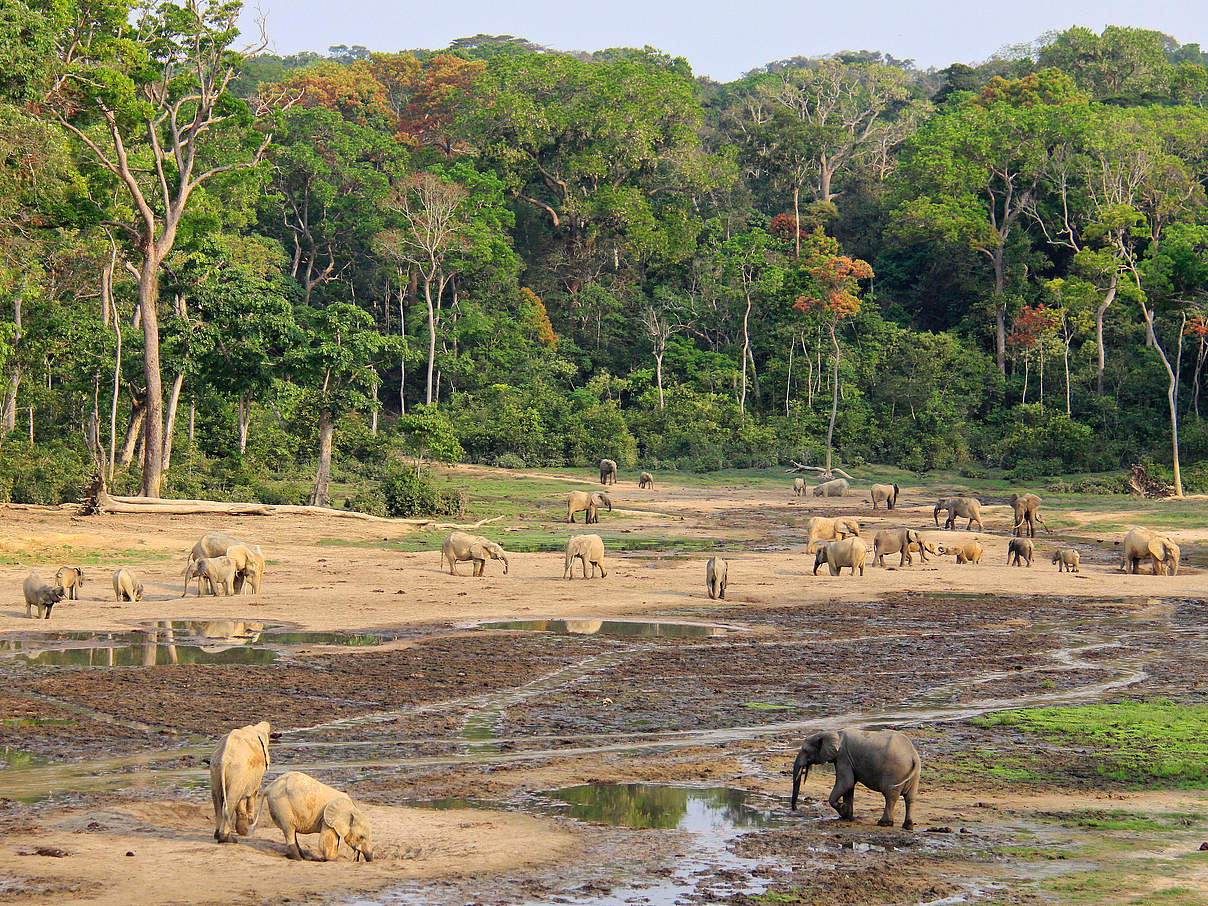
(963, 507)
(459, 546)
(608, 471)
(72, 579)
(1066, 559)
(883, 760)
(886, 494)
(1027, 514)
(588, 503)
(715, 577)
(646, 481)
(586, 549)
(237, 767)
(1018, 550)
(1142, 544)
(127, 586)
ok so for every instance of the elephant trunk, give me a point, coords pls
(800, 773)
(505, 565)
(936, 515)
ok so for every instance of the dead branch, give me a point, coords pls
(821, 470)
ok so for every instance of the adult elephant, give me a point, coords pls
(883, 760)
(459, 546)
(1142, 544)
(962, 507)
(587, 503)
(886, 494)
(1027, 514)
(608, 471)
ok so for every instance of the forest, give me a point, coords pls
(236, 275)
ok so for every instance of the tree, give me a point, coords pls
(149, 104)
(832, 294)
(662, 319)
(750, 269)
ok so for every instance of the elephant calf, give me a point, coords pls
(646, 480)
(218, 573)
(237, 767)
(850, 552)
(900, 541)
(587, 549)
(966, 551)
(40, 595)
(1066, 559)
(127, 586)
(798, 487)
(715, 577)
(299, 804)
(459, 546)
(588, 504)
(72, 579)
(882, 760)
(1018, 550)
(836, 487)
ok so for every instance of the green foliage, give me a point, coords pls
(406, 493)
(42, 473)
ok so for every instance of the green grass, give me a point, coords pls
(82, 557)
(1154, 743)
(1120, 820)
(532, 540)
(768, 706)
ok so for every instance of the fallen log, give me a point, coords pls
(109, 503)
(824, 472)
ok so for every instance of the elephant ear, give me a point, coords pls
(262, 736)
(828, 746)
(478, 551)
(1157, 549)
(337, 815)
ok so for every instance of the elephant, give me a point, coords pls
(836, 487)
(608, 471)
(1027, 513)
(900, 541)
(211, 544)
(715, 577)
(882, 760)
(249, 567)
(798, 487)
(646, 480)
(964, 507)
(588, 503)
(218, 573)
(1020, 549)
(825, 528)
(1141, 544)
(886, 494)
(127, 586)
(588, 549)
(237, 767)
(1066, 559)
(849, 552)
(300, 804)
(72, 579)
(966, 551)
(42, 596)
(459, 546)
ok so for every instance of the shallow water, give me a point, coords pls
(717, 811)
(624, 628)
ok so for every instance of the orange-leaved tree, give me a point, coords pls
(830, 284)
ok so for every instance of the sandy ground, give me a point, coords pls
(332, 574)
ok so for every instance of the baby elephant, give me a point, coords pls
(1020, 549)
(966, 551)
(715, 577)
(646, 480)
(126, 586)
(1066, 559)
(72, 579)
(838, 554)
(882, 760)
(219, 573)
(236, 768)
(300, 804)
(798, 487)
(586, 549)
(42, 596)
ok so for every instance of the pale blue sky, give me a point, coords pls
(722, 40)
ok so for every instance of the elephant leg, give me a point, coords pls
(722, 594)
(908, 822)
(891, 799)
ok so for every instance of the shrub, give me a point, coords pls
(509, 461)
(1107, 484)
(46, 473)
(407, 493)
(367, 500)
(970, 470)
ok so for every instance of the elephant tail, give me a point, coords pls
(910, 785)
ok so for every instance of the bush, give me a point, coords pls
(407, 493)
(969, 470)
(47, 473)
(367, 500)
(1108, 484)
(509, 461)
(276, 494)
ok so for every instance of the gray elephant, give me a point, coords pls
(586, 549)
(608, 471)
(459, 546)
(886, 494)
(1027, 514)
(900, 541)
(715, 577)
(588, 503)
(211, 544)
(72, 579)
(1142, 544)
(1066, 559)
(237, 767)
(836, 487)
(850, 552)
(883, 760)
(798, 487)
(40, 595)
(963, 507)
(646, 481)
(300, 804)
(1019, 550)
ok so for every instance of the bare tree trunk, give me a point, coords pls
(830, 431)
(319, 495)
(797, 220)
(1171, 396)
(138, 412)
(153, 423)
(746, 351)
(1065, 351)
(94, 420)
(373, 419)
(1000, 311)
(431, 337)
(1024, 398)
(1199, 366)
(1099, 312)
(8, 415)
(243, 411)
(402, 368)
(192, 421)
(658, 375)
(788, 384)
(117, 377)
(170, 428)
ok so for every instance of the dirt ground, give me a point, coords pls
(415, 704)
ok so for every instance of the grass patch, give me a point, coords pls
(70, 556)
(768, 706)
(1120, 820)
(528, 541)
(1154, 743)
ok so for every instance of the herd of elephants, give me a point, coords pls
(884, 761)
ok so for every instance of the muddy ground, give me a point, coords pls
(413, 704)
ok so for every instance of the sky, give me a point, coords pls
(721, 40)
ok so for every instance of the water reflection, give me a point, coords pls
(154, 647)
(628, 628)
(710, 811)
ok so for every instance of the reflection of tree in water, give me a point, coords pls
(648, 805)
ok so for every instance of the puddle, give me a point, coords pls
(269, 633)
(149, 654)
(719, 810)
(625, 628)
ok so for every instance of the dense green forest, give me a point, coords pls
(223, 272)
